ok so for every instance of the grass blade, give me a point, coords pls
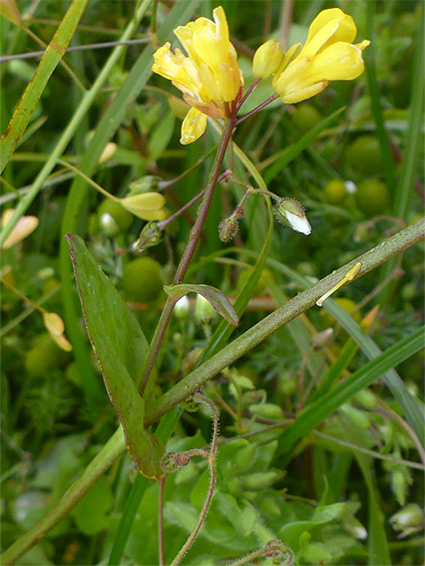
(316, 413)
(51, 58)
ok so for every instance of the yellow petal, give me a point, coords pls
(339, 62)
(303, 92)
(330, 26)
(62, 342)
(55, 326)
(53, 323)
(323, 18)
(148, 206)
(193, 126)
(23, 228)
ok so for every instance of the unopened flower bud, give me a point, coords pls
(205, 313)
(291, 213)
(408, 520)
(108, 152)
(151, 235)
(108, 225)
(168, 463)
(227, 229)
(182, 308)
(267, 59)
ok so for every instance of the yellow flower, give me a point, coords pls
(210, 78)
(328, 55)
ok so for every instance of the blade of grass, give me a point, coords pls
(412, 411)
(51, 58)
(288, 154)
(413, 145)
(317, 412)
(73, 125)
(370, 56)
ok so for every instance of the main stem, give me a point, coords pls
(194, 237)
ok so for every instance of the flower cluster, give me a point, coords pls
(212, 82)
(328, 55)
(209, 77)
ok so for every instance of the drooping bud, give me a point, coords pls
(151, 235)
(267, 59)
(228, 229)
(291, 213)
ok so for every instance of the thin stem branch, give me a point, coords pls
(161, 553)
(194, 237)
(164, 223)
(165, 184)
(257, 109)
(211, 463)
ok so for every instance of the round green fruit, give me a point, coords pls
(141, 281)
(364, 155)
(372, 197)
(306, 117)
(335, 191)
(122, 217)
(44, 356)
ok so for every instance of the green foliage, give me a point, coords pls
(321, 424)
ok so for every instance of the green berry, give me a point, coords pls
(44, 356)
(372, 197)
(364, 155)
(141, 281)
(306, 117)
(122, 217)
(335, 191)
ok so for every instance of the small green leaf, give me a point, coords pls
(120, 347)
(214, 296)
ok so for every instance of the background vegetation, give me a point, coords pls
(330, 485)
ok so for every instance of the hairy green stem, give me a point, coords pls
(211, 457)
(299, 304)
(194, 237)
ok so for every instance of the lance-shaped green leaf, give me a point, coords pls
(215, 297)
(120, 347)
